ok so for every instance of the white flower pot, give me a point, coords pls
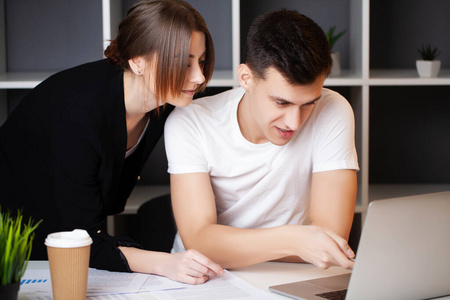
(428, 68)
(336, 67)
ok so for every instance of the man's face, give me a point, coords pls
(272, 109)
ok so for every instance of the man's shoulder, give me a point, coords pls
(331, 96)
(331, 100)
(211, 106)
(331, 108)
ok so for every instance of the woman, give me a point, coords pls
(71, 151)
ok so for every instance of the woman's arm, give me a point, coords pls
(77, 192)
(189, 267)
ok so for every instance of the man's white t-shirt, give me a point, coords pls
(259, 185)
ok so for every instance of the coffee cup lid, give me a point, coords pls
(68, 239)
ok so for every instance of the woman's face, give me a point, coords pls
(194, 76)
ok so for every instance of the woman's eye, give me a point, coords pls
(201, 63)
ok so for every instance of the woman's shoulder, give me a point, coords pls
(90, 72)
(99, 79)
(85, 93)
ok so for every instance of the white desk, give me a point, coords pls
(267, 274)
(260, 276)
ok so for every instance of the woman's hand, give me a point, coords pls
(188, 267)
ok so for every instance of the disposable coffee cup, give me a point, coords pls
(68, 256)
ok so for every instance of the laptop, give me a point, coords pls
(403, 253)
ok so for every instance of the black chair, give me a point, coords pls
(156, 224)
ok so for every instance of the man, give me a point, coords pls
(267, 171)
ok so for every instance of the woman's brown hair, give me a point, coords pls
(162, 29)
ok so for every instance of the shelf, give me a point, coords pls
(347, 78)
(406, 77)
(22, 80)
(223, 78)
(359, 208)
(28, 80)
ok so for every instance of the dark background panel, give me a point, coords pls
(410, 134)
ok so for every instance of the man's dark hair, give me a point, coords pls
(291, 43)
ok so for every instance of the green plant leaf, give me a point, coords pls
(333, 38)
(428, 53)
(16, 240)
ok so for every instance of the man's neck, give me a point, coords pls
(247, 125)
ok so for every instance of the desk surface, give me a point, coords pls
(267, 274)
(260, 276)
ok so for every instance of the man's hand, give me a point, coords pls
(323, 248)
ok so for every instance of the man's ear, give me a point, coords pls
(245, 76)
(137, 65)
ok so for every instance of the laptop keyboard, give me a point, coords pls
(334, 295)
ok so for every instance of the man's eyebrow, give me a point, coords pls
(277, 98)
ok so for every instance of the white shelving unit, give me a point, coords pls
(358, 77)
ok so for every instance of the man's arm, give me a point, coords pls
(196, 217)
(333, 196)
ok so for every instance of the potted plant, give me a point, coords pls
(428, 66)
(15, 248)
(335, 56)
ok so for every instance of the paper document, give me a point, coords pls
(105, 285)
(36, 281)
(228, 286)
(100, 281)
(158, 283)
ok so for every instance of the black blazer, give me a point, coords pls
(62, 157)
